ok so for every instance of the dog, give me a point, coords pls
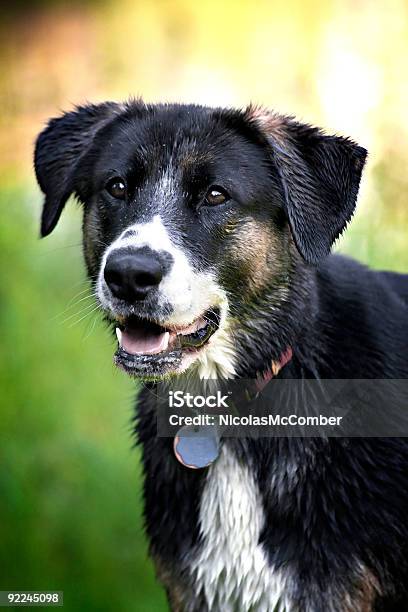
(207, 237)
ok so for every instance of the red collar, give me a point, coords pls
(276, 366)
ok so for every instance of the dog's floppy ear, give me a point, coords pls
(320, 176)
(58, 153)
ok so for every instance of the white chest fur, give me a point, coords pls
(231, 569)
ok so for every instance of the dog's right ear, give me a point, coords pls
(58, 153)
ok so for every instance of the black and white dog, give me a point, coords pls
(207, 235)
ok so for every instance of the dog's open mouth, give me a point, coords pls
(148, 349)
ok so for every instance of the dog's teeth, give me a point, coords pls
(119, 335)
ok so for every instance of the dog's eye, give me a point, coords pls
(216, 196)
(117, 188)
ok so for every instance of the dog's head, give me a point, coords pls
(194, 219)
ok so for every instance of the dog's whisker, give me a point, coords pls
(87, 314)
(72, 305)
(92, 326)
(83, 281)
(75, 314)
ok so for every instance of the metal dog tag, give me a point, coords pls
(197, 447)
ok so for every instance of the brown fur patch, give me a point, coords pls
(365, 594)
(92, 237)
(177, 592)
(256, 253)
(271, 123)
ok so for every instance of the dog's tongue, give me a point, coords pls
(139, 341)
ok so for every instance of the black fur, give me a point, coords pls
(335, 502)
(320, 175)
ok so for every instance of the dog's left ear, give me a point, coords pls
(58, 153)
(320, 177)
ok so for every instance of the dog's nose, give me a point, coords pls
(130, 276)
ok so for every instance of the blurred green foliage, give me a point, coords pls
(70, 489)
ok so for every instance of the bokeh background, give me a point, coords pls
(70, 482)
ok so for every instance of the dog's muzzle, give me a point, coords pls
(149, 343)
